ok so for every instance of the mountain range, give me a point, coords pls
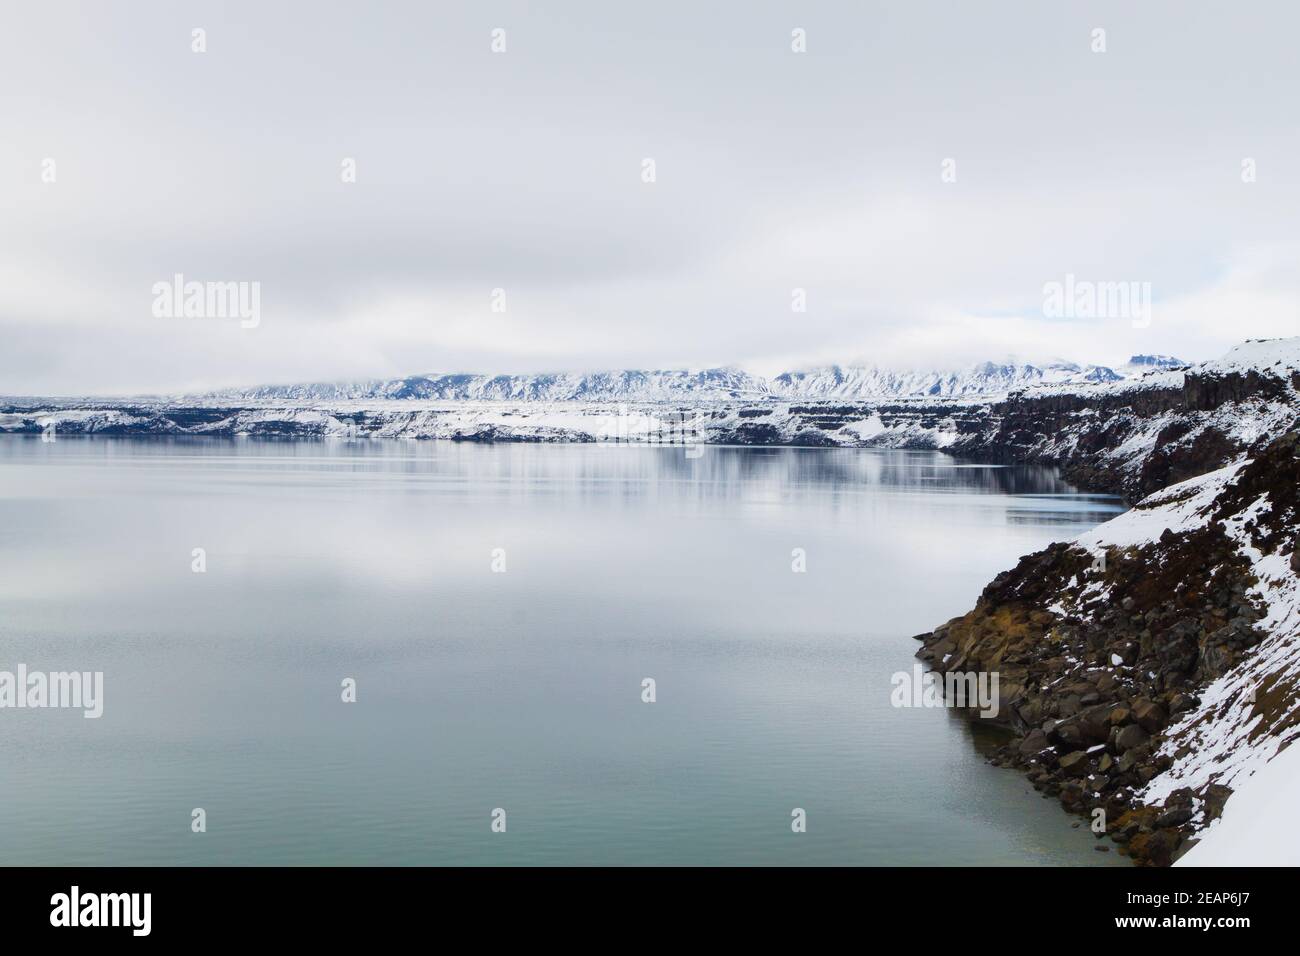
(829, 382)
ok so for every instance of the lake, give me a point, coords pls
(499, 608)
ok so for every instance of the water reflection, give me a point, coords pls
(593, 470)
(521, 689)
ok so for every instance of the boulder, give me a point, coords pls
(1034, 742)
(1075, 763)
(1174, 818)
(1149, 715)
(1093, 725)
(1030, 712)
(1070, 733)
(1216, 795)
(1129, 737)
(1071, 795)
(1156, 848)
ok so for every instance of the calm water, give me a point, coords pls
(519, 690)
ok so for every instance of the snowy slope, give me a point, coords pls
(1246, 716)
(1249, 713)
(1258, 826)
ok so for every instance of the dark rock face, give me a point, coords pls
(1173, 460)
(1203, 392)
(1110, 656)
(756, 433)
(1027, 427)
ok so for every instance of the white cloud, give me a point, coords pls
(521, 171)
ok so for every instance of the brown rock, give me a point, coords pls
(1069, 732)
(1149, 715)
(1071, 795)
(1035, 742)
(1130, 737)
(1093, 726)
(1156, 848)
(1216, 795)
(1074, 763)
(1031, 712)
(1174, 818)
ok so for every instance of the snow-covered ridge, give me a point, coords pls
(1279, 358)
(633, 385)
(619, 386)
(1260, 355)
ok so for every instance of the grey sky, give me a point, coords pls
(522, 171)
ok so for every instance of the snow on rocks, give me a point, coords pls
(1153, 664)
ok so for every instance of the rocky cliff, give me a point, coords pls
(1150, 664)
(1137, 437)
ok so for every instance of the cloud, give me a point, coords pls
(521, 171)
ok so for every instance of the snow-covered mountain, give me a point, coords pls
(622, 385)
(987, 378)
(630, 385)
(1141, 364)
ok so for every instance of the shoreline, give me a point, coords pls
(1111, 649)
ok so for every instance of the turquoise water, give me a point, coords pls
(520, 690)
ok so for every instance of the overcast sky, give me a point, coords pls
(523, 171)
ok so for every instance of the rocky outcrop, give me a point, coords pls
(1105, 648)
(1135, 438)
